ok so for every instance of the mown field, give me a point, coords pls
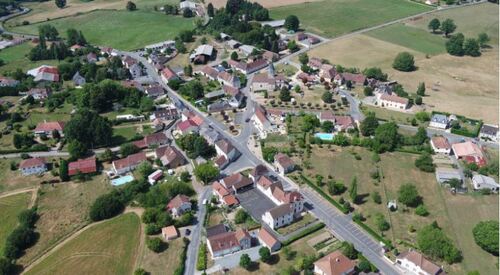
(164, 262)
(119, 29)
(335, 17)
(10, 207)
(451, 82)
(15, 57)
(106, 248)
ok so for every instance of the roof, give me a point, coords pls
(260, 113)
(45, 72)
(358, 78)
(484, 180)
(171, 154)
(224, 145)
(204, 49)
(32, 162)
(263, 78)
(221, 161)
(440, 142)
(259, 170)
(230, 90)
(168, 73)
(230, 200)
(419, 260)
(130, 160)
(237, 180)
(186, 124)
(216, 230)
(169, 231)
(267, 238)
(274, 23)
(49, 126)
(155, 90)
(210, 71)
(156, 175)
(225, 76)
(217, 93)
(394, 98)
(491, 130)
(83, 166)
(283, 160)
(220, 189)
(315, 62)
(247, 49)
(226, 240)
(445, 174)
(281, 210)
(344, 121)
(177, 201)
(155, 138)
(327, 115)
(335, 263)
(265, 181)
(467, 149)
(439, 118)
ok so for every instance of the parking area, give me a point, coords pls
(255, 203)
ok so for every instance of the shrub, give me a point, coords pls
(155, 244)
(486, 236)
(408, 195)
(105, 207)
(404, 62)
(434, 243)
(421, 210)
(201, 264)
(241, 216)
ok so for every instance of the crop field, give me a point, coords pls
(332, 18)
(10, 207)
(119, 29)
(106, 248)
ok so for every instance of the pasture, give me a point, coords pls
(265, 3)
(158, 263)
(119, 29)
(10, 207)
(106, 248)
(332, 18)
(15, 57)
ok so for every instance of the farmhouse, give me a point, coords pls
(482, 182)
(167, 75)
(202, 54)
(33, 166)
(268, 240)
(469, 152)
(228, 242)
(489, 132)
(170, 157)
(48, 128)
(83, 166)
(335, 263)
(283, 163)
(39, 93)
(179, 205)
(415, 263)
(439, 121)
(45, 73)
(129, 163)
(279, 216)
(440, 145)
(392, 101)
(225, 148)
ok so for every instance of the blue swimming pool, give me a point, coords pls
(122, 180)
(324, 136)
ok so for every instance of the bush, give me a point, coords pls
(241, 216)
(376, 197)
(105, 207)
(408, 195)
(6, 267)
(381, 222)
(27, 218)
(434, 243)
(486, 236)
(404, 62)
(201, 264)
(18, 240)
(153, 229)
(140, 271)
(155, 244)
(421, 210)
(265, 254)
(425, 163)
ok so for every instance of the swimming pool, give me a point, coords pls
(324, 136)
(122, 180)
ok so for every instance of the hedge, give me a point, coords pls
(374, 234)
(27, 150)
(324, 195)
(304, 233)
(201, 263)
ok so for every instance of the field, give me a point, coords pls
(106, 248)
(119, 29)
(336, 17)
(451, 82)
(14, 58)
(159, 263)
(10, 207)
(63, 210)
(13, 180)
(265, 3)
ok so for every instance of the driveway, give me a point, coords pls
(233, 260)
(255, 203)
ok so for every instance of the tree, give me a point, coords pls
(241, 216)
(206, 172)
(292, 46)
(188, 70)
(353, 190)
(376, 197)
(234, 56)
(89, 128)
(454, 45)
(381, 222)
(418, 100)
(364, 265)
(375, 73)
(448, 26)
(186, 36)
(140, 271)
(421, 210)
(105, 207)
(423, 116)
(76, 149)
(210, 10)
(327, 97)
(6, 267)
(285, 94)
(265, 254)
(60, 3)
(425, 163)
(368, 125)
(245, 261)
(63, 170)
(434, 24)
(486, 236)
(434, 243)
(349, 251)
(128, 149)
(387, 137)
(408, 195)
(187, 13)
(421, 89)
(471, 47)
(155, 244)
(336, 188)
(327, 126)
(144, 169)
(303, 58)
(404, 62)
(483, 39)
(368, 91)
(131, 6)
(292, 23)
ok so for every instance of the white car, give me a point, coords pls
(205, 201)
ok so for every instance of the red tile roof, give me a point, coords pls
(440, 142)
(335, 263)
(394, 98)
(131, 160)
(283, 160)
(266, 237)
(177, 201)
(419, 260)
(83, 166)
(32, 162)
(49, 126)
(168, 73)
(230, 200)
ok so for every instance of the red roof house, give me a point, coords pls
(84, 166)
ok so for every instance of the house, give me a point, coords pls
(161, 46)
(268, 240)
(39, 93)
(355, 79)
(392, 101)
(135, 70)
(415, 263)
(187, 126)
(246, 50)
(236, 182)
(165, 114)
(128, 163)
(248, 67)
(169, 233)
(170, 157)
(33, 166)
(228, 242)
(489, 132)
(8, 82)
(439, 121)
(279, 216)
(440, 145)
(221, 162)
(150, 140)
(275, 192)
(224, 195)
(257, 172)
(225, 148)
(283, 163)
(78, 80)
(154, 91)
(47, 128)
(263, 82)
(306, 78)
(91, 58)
(315, 63)
(45, 73)
(343, 123)
(233, 44)
(128, 61)
(202, 54)
(155, 176)
(210, 135)
(216, 230)
(167, 75)
(228, 79)
(83, 166)
(75, 48)
(482, 182)
(208, 72)
(469, 152)
(335, 263)
(443, 175)
(270, 56)
(179, 205)
(261, 122)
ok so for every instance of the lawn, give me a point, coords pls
(12, 180)
(63, 210)
(389, 115)
(161, 263)
(10, 207)
(123, 134)
(119, 29)
(106, 248)
(414, 38)
(332, 18)
(15, 57)
(297, 225)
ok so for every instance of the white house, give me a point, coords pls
(481, 182)
(33, 166)
(275, 192)
(279, 216)
(440, 145)
(415, 263)
(129, 163)
(392, 101)
(263, 82)
(489, 132)
(283, 163)
(439, 121)
(228, 242)
(261, 122)
(226, 149)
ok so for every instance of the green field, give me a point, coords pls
(336, 17)
(15, 57)
(119, 29)
(10, 207)
(106, 248)
(414, 38)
